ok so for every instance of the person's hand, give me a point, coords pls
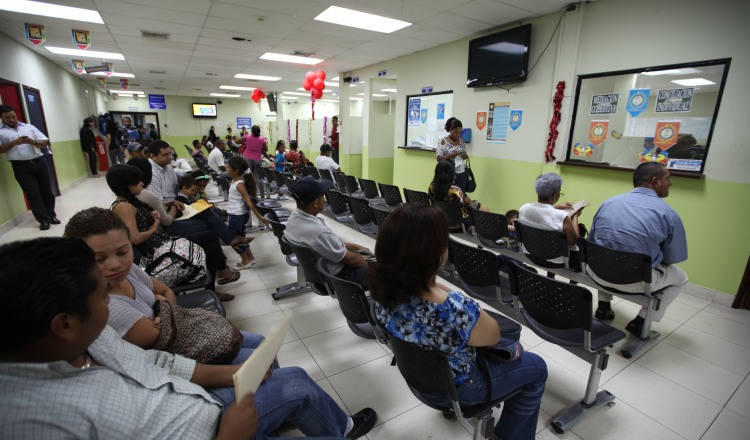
(240, 420)
(265, 221)
(464, 155)
(511, 227)
(161, 298)
(180, 206)
(155, 215)
(564, 205)
(23, 140)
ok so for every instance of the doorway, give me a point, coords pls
(36, 118)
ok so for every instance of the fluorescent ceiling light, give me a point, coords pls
(289, 58)
(361, 94)
(335, 78)
(50, 10)
(331, 84)
(296, 93)
(127, 92)
(257, 77)
(236, 88)
(85, 53)
(225, 95)
(684, 71)
(355, 99)
(114, 75)
(327, 100)
(389, 90)
(693, 82)
(361, 20)
(378, 95)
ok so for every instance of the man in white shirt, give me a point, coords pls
(324, 161)
(216, 158)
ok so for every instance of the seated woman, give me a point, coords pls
(296, 157)
(443, 188)
(146, 233)
(411, 248)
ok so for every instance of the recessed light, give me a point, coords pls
(335, 78)
(50, 10)
(236, 88)
(361, 20)
(353, 98)
(127, 92)
(114, 74)
(296, 93)
(361, 94)
(693, 82)
(225, 95)
(331, 84)
(389, 90)
(85, 53)
(378, 95)
(257, 77)
(290, 58)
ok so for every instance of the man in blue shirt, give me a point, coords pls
(641, 222)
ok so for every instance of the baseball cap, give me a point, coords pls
(309, 189)
(134, 146)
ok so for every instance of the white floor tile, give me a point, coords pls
(295, 354)
(250, 304)
(728, 426)
(715, 350)
(421, 422)
(740, 401)
(262, 325)
(340, 349)
(317, 317)
(622, 422)
(727, 329)
(739, 315)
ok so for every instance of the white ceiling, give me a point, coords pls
(201, 32)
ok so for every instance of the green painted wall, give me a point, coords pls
(714, 212)
(178, 142)
(380, 169)
(351, 164)
(11, 197)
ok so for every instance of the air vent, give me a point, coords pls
(154, 35)
(158, 72)
(160, 88)
(300, 53)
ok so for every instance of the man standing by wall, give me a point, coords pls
(335, 137)
(21, 143)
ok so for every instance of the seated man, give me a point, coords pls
(324, 161)
(70, 375)
(640, 221)
(216, 158)
(304, 228)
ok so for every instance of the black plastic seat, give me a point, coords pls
(418, 197)
(339, 206)
(619, 267)
(370, 190)
(427, 372)
(281, 213)
(338, 177)
(453, 212)
(312, 172)
(353, 302)
(291, 259)
(479, 272)
(490, 228)
(360, 209)
(379, 214)
(326, 174)
(307, 259)
(391, 195)
(560, 313)
(203, 299)
(542, 245)
(352, 187)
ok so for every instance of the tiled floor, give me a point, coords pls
(692, 384)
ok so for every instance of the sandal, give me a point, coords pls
(225, 296)
(248, 265)
(222, 281)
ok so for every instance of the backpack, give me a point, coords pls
(177, 261)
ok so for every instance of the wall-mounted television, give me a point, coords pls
(204, 110)
(499, 58)
(271, 98)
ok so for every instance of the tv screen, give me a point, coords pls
(271, 98)
(499, 58)
(204, 110)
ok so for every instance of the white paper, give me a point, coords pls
(250, 375)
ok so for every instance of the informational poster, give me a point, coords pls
(674, 100)
(638, 101)
(666, 134)
(598, 132)
(414, 111)
(244, 122)
(604, 104)
(481, 120)
(157, 102)
(516, 117)
(423, 116)
(497, 123)
(441, 111)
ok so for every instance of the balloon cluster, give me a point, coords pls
(314, 83)
(257, 95)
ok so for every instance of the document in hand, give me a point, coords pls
(194, 209)
(248, 378)
(577, 207)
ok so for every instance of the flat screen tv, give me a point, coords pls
(499, 58)
(271, 98)
(204, 110)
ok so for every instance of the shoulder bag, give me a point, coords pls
(471, 182)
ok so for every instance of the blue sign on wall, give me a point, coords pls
(157, 102)
(244, 122)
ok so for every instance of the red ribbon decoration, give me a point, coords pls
(556, 116)
(296, 130)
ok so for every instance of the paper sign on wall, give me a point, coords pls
(666, 134)
(481, 120)
(637, 101)
(598, 132)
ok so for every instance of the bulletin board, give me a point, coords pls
(663, 114)
(426, 115)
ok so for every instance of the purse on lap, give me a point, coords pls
(177, 261)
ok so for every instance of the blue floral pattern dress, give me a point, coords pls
(444, 327)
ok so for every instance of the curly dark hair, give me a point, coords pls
(409, 251)
(120, 178)
(445, 175)
(452, 123)
(93, 221)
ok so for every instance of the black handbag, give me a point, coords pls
(471, 182)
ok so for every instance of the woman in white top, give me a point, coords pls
(243, 184)
(453, 148)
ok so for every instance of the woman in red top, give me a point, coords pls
(254, 145)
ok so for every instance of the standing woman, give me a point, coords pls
(254, 145)
(212, 134)
(453, 148)
(88, 144)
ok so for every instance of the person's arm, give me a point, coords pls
(249, 202)
(353, 259)
(441, 153)
(486, 331)
(4, 148)
(570, 229)
(149, 198)
(126, 212)
(144, 333)
(240, 420)
(163, 290)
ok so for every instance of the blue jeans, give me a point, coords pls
(250, 342)
(205, 221)
(238, 223)
(520, 412)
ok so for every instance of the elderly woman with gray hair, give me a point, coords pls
(547, 213)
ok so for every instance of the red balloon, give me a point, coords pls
(307, 85)
(255, 93)
(255, 98)
(317, 93)
(320, 74)
(261, 94)
(319, 84)
(310, 76)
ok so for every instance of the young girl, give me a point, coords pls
(239, 201)
(280, 159)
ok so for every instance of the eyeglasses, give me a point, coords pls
(562, 194)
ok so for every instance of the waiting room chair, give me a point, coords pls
(312, 172)
(353, 302)
(281, 186)
(224, 186)
(490, 228)
(379, 214)
(427, 372)
(182, 288)
(339, 206)
(360, 209)
(560, 313)
(418, 197)
(452, 211)
(619, 267)
(542, 245)
(203, 299)
(479, 272)
(338, 178)
(281, 213)
(326, 174)
(291, 259)
(352, 187)
(391, 195)
(307, 259)
(370, 190)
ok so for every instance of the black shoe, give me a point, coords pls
(43, 226)
(449, 414)
(55, 221)
(635, 326)
(363, 423)
(604, 314)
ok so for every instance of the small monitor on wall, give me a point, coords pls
(271, 98)
(204, 110)
(499, 58)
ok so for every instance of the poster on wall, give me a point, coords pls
(414, 111)
(423, 116)
(481, 120)
(497, 123)
(35, 34)
(441, 111)
(598, 132)
(516, 117)
(604, 104)
(666, 134)
(674, 100)
(82, 39)
(637, 101)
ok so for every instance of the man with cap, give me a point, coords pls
(324, 161)
(305, 228)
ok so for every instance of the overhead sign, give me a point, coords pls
(244, 122)
(427, 89)
(97, 69)
(381, 72)
(157, 102)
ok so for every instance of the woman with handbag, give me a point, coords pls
(453, 148)
(411, 248)
(443, 187)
